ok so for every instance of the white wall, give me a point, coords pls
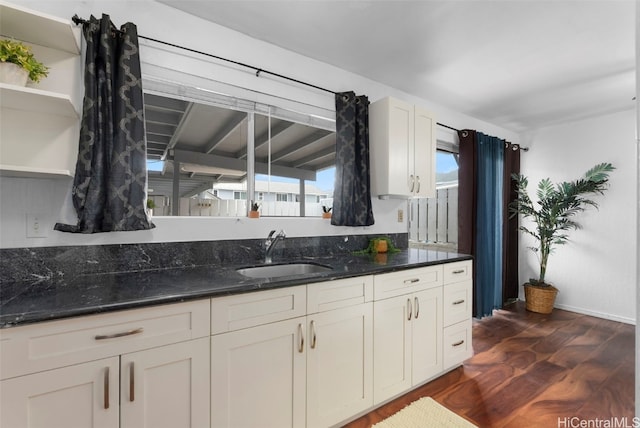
(596, 271)
(50, 198)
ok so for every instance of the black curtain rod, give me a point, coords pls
(77, 20)
(447, 126)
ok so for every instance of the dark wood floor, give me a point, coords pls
(529, 370)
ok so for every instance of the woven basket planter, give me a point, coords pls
(540, 299)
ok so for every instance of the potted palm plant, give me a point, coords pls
(17, 64)
(553, 215)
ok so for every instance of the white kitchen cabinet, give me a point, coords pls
(79, 396)
(407, 342)
(81, 372)
(166, 387)
(258, 376)
(258, 359)
(313, 370)
(49, 149)
(458, 302)
(403, 147)
(339, 350)
(339, 364)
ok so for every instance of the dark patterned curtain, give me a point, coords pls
(352, 192)
(484, 228)
(109, 188)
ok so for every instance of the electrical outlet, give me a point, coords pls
(400, 216)
(35, 226)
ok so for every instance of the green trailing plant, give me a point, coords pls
(20, 54)
(150, 204)
(553, 214)
(373, 246)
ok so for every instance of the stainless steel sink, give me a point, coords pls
(279, 270)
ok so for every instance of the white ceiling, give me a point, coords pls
(520, 64)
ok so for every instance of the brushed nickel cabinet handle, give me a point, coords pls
(409, 310)
(300, 338)
(132, 383)
(413, 183)
(106, 388)
(313, 335)
(455, 272)
(458, 302)
(411, 281)
(418, 179)
(416, 304)
(120, 334)
(458, 343)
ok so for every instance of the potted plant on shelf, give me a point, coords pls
(552, 216)
(17, 64)
(326, 212)
(253, 212)
(150, 206)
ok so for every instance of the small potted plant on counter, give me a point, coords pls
(326, 211)
(17, 64)
(253, 212)
(552, 216)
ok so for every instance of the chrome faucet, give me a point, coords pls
(271, 242)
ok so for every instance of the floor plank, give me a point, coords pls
(534, 370)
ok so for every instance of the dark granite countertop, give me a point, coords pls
(49, 299)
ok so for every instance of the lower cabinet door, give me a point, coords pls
(258, 376)
(426, 335)
(166, 386)
(79, 396)
(391, 347)
(339, 364)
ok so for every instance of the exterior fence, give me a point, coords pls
(196, 207)
(435, 220)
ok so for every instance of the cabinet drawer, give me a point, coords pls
(457, 344)
(48, 345)
(406, 281)
(247, 310)
(457, 302)
(458, 271)
(326, 296)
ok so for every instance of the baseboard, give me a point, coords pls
(596, 314)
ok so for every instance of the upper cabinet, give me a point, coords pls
(403, 146)
(39, 124)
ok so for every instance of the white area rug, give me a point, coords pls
(424, 413)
